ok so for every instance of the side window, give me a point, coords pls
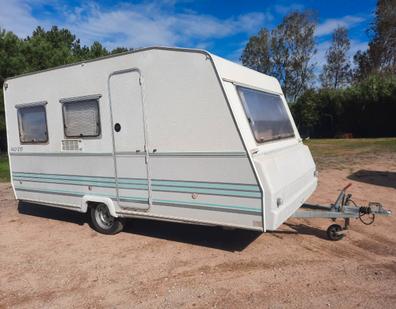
(32, 123)
(81, 117)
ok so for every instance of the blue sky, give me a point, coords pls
(222, 27)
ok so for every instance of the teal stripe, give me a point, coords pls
(151, 154)
(239, 190)
(208, 191)
(176, 183)
(106, 184)
(208, 205)
(77, 178)
(134, 198)
(144, 187)
(242, 187)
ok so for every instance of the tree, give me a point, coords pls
(97, 50)
(363, 65)
(119, 50)
(382, 48)
(337, 71)
(46, 49)
(380, 56)
(12, 60)
(293, 46)
(256, 54)
(285, 53)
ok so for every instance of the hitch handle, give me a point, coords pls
(347, 186)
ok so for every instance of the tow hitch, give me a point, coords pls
(343, 208)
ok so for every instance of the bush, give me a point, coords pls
(365, 109)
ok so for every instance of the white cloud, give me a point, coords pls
(129, 25)
(156, 23)
(329, 25)
(16, 16)
(146, 24)
(285, 9)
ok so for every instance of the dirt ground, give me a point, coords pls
(52, 258)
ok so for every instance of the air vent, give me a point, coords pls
(72, 145)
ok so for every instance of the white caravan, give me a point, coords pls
(159, 133)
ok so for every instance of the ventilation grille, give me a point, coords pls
(71, 145)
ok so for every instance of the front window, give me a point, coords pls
(267, 115)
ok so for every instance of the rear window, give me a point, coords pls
(267, 115)
(32, 122)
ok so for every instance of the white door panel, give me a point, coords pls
(129, 140)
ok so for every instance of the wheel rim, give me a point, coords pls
(332, 232)
(103, 217)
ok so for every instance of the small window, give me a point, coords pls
(267, 115)
(81, 118)
(32, 122)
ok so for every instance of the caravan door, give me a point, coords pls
(130, 157)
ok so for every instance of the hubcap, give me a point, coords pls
(103, 217)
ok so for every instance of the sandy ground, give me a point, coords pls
(52, 258)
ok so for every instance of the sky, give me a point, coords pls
(221, 27)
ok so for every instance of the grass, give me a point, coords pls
(343, 153)
(336, 153)
(4, 169)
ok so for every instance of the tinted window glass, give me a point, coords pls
(267, 115)
(32, 122)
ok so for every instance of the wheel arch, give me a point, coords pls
(88, 200)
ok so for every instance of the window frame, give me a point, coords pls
(77, 100)
(30, 105)
(250, 119)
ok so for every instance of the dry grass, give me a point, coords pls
(343, 153)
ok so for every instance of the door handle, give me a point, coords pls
(117, 127)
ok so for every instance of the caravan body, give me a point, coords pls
(161, 133)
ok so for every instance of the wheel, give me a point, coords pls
(103, 222)
(332, 232)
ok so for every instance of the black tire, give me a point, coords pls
(103, 222)
(332, 232)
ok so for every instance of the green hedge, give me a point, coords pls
(366, 109)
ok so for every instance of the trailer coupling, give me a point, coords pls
(343, 208)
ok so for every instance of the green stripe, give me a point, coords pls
(140, 199)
